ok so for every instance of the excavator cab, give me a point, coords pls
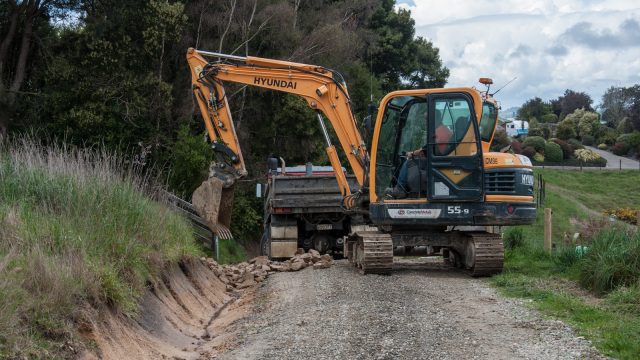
(445, 127)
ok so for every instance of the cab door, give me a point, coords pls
(454, 156)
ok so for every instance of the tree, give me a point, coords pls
(534, 108)
(398, 58)
(24, 21)
(573, 100)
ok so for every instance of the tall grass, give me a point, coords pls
(77, 227)
(613, 260)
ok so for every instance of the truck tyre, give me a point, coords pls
(265, 243)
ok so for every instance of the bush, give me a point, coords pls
(553, 152)
(537, 142)
(567, 150)
(603, 147)
(625, 126)
(513, 238)
(566, 130)
(190, 162)
(549, 118)
(516, 146)
(588, 140)
(607, 135)
(632, 140)
(529, 151)
(500, 140)
(613, 260)
(536, 132)
(620, 149)
(576, 144)
(546, 131)
(538, 157)
(586, 155)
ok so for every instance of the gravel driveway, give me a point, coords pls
(615, 161)
(421, 311)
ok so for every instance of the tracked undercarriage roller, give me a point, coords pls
(480, 253)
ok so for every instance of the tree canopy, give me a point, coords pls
(113, 72)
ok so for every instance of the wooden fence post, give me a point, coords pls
(547, 229)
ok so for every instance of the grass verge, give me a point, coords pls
(609, 313)
(75, 229)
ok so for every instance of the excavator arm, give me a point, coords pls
(323, 89)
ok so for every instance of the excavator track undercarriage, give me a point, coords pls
(371, 252)
(478, 253)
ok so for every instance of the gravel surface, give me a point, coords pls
(421, 311)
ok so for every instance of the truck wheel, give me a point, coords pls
(265, 243)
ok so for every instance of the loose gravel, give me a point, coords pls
(420, 311)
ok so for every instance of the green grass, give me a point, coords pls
(598, 190)
(610, 267)
(77, 229)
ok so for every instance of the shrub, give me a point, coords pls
(586, 155)
(538, 157)
(632, 140)
(516, 146)
(553, 152)
(624, 214)
(535, 132)
(613, 260)
(607, 135)
(536, 141)
(576, 144)
(566, 130)
(625, 126)
(500, 140)
(567, 150)
(588, 140)
(513, 238)
(620, 149)
(549, 118)
(546, 131)
(603, 147)
(529, 151)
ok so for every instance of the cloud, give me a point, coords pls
(550, 45)
(584, 33)
(558, 50)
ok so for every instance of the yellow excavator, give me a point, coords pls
(429, 179)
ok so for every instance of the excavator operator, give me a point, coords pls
(442, 139)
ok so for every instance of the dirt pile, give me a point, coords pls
(256, 270)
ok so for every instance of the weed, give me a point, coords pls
(513, 238)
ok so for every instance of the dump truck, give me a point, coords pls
(304, 200)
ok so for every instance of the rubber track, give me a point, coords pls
(375, 253)
(489, 252)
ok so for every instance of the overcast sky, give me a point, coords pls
(550, 45)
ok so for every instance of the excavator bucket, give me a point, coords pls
(214, 204)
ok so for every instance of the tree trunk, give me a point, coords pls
(8, 38)
(21, 66)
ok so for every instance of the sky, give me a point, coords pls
(549, 45)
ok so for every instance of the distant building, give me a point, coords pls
(516, 128)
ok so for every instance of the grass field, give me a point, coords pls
(611, 320)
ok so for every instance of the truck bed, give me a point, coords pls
(306, 194)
